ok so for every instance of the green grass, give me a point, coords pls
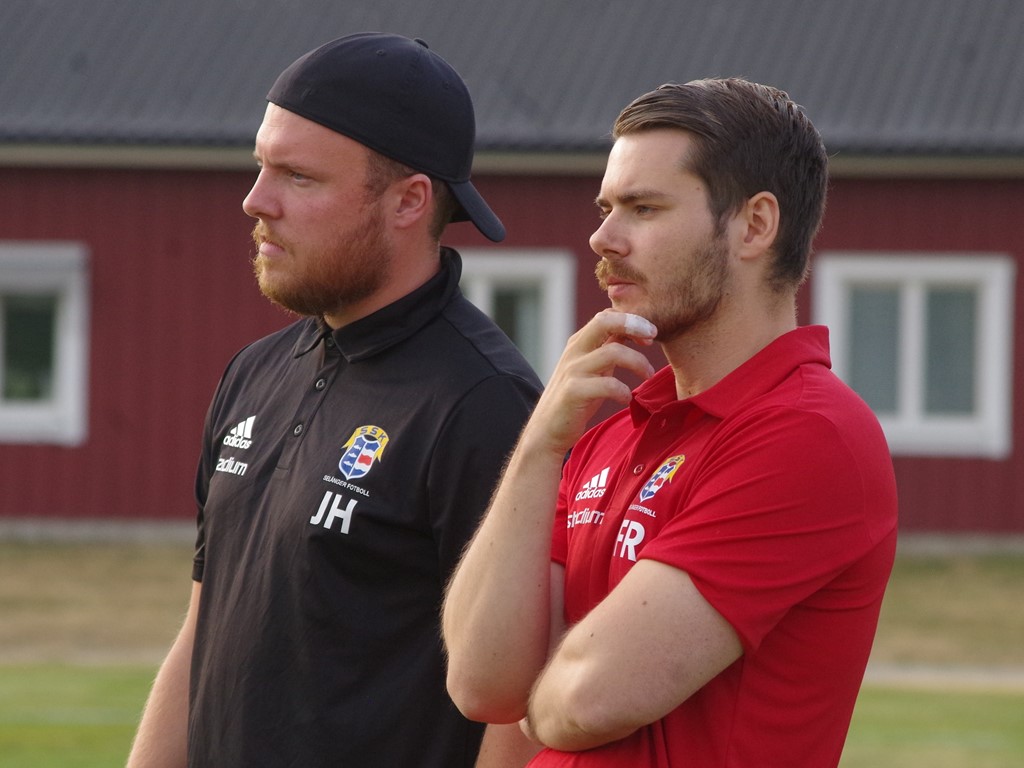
(83, 628)
(67, 716)
(897, 728)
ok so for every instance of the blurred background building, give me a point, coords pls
(126, 132)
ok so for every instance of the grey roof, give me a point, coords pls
(911, 77)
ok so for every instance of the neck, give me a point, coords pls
(409, 269)
(704, 355)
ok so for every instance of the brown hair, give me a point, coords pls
(748, 138)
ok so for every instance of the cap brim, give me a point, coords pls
(476, 210)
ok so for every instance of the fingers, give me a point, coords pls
(610, 324)
(588, 375)
(603, 340)
(614, 354)
(638, 328)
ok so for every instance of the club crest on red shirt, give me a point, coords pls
(661, 476)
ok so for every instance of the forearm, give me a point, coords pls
(566, 709)
(640, 653)
(162, 737)
(497, 614)
(500, 614)
(505, 746)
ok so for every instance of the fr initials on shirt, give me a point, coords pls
(631, 534)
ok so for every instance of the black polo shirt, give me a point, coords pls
(342, 474)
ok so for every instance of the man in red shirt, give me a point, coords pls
(722, 544)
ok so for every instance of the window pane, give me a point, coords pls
(874, 345)
(517, 313)
(951, 333)
(28, 344)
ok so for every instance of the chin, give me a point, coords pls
(626, 306)
(277, 291)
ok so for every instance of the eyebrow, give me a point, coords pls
(280, 160)
(631, 197)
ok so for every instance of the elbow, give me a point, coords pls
(485, 700)
(575, 719)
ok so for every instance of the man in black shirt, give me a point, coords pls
(347, 458)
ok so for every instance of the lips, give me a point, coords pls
(266, 245)
(618, 291)
(270, 248)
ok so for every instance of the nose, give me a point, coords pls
(259, 203)
(607, 240)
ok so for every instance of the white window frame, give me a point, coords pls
(910, 431)
(552, 271)
(48, 267)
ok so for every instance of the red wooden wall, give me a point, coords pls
(173, 298)
(945, 494)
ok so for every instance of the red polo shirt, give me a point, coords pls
(774, 491)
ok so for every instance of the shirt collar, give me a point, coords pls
(391, 324)
(758, 375)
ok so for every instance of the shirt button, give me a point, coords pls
(638, 469)
(320, 383)
(298, 430)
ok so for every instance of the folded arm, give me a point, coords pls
(646, 648)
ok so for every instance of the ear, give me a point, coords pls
(413, 196)
(759, 222)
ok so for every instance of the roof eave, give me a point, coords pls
(489, 162)
(987, 166)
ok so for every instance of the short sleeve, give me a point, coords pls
(469, 457)
(779, 509)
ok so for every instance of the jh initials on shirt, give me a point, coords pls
(331, 510)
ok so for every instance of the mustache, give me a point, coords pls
(261, 233)
(605, 272)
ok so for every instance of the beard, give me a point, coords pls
(683, 298)
(324, 281)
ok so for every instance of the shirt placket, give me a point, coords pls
(315, 393)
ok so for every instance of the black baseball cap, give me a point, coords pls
(399, 98)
